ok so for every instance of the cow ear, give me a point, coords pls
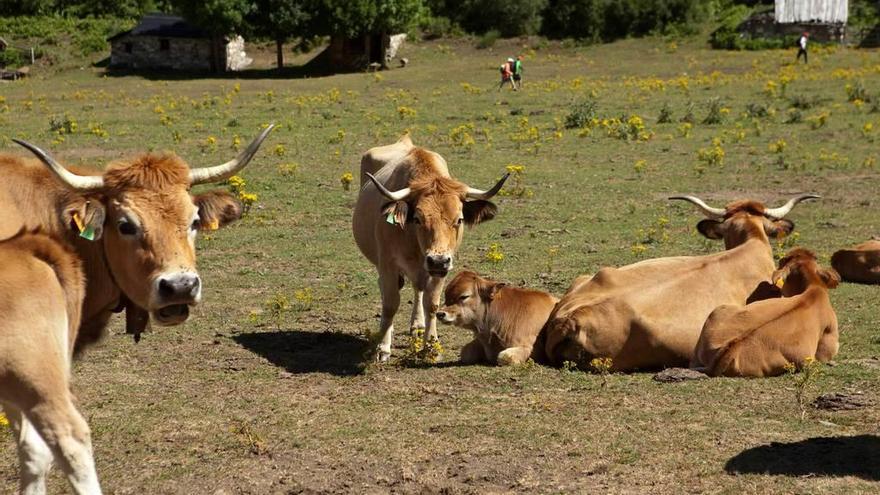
(779, 276)
(217, 209)
(711, 229)
(830, 277)
(396, 213)
(489, 289)
(478, 211)
(780, 228)
(86, 219)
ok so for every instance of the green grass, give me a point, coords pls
(167, 414)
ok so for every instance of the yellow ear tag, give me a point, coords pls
(780, 282)
(214, 224)
(78, 221)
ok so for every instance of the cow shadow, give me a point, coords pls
(820, 456)
(299, 351)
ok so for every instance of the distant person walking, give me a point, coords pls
(517, 73)
(507, 74)
(802, 47)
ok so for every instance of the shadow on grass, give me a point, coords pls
(821, 456)
(300, 351)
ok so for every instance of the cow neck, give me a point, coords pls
(102, 292)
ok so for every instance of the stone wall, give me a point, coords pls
(764, 25)
(146, 52)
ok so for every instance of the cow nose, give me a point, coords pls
(181, 286)
(441, 315)
(439, 262)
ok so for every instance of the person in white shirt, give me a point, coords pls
(802, 47)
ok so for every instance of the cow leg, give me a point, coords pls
(514, 355)
(417, 321)
(68, 437)
(431, 303)
(35, 458)
(472, 353)
(390, 290)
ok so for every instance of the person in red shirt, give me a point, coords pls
(506, 74)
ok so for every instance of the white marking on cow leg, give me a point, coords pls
(390, 303)
(67, 434)
(514, 355)
(431, 303)
(35, 458)
(417, 320)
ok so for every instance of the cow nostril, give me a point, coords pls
(441, 315)
(166, 288)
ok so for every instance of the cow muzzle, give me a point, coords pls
(174, 293)
(445, 317)
(438, 265)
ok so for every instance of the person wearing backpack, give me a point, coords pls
(802, 47)
(517, 73)
(507, 74)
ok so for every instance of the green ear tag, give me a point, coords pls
(390, 218)
(88, 233)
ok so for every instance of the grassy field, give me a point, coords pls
(264, 391)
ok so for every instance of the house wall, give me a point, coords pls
(830, 11)
(146, 53)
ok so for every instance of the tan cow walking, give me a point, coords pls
(761, 338)
(649, 314)
(409, 221)
(42, 288)
(859, 264)
(505, 320)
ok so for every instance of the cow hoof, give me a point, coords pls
(382, 356)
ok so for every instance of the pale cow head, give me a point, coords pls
(438, 208)
(745, 219)
(145, 216)
(798, 270)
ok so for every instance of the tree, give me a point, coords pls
(279, 20)
(353, 18)
(219, 18)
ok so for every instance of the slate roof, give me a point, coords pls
(165, 26)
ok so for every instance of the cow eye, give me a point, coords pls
(196, 225)
(127, 228)
(463, 297)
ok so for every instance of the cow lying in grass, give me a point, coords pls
(42, 287)
(859, 264)
(505, 320)
(761, 338)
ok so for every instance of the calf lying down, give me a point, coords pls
(505, 320)
(860, 264)
(42, 287)
(759, 339)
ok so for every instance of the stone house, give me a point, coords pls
(162, 41)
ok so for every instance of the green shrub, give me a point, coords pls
(606, 20)
(11, 58)
(665, 116)
(488, 39)
(581, 114)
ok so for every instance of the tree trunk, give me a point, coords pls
(279, 52)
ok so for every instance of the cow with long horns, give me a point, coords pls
(409, 221)
(649, 314)
(132, 229)
(133, 226)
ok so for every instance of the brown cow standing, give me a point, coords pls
(860, 264)
(505, 320)
(649, 314)
(42, 288)
(133, 228)
(761, 338)
(409, 221)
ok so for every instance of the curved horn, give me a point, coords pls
(709, 211)
(82, 183)
(400, 195)
(218, 173)
(783, 210)
(474, 193)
